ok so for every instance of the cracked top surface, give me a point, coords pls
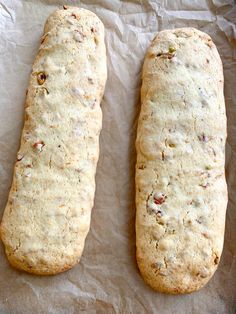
(181, 192)
(47, 216)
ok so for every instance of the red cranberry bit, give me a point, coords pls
(159, 200)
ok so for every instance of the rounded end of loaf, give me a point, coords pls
(69, 14)
(170, 281)
(45, 265)
(46, 261)
(40, 269)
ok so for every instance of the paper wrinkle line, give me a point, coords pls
(4, 7)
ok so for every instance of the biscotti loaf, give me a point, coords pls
(181, 192)
(47, 216)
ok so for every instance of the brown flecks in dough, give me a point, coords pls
(216, 260)
(189, 222)
(204, 185)
(141, 167)
(160, 222)
(43, 38)
(17, 246)
(214, 152)
(200, 219)
(156, 265)
(41, 78)
(210, 43)
(165, 261)
(50, 162)
(95, 40)
(203, 138)
(74, 16)
(65, 7)
(165, 55)
(39, 145)
(162, 155)
(19, 157)
(44, 90)
(204, 103)
(149, 195)
(206, 235)
(202, 274)
(171, 130)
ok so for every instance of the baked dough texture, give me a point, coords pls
(181, 192)
(47, 216)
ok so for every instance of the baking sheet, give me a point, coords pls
(107, 279)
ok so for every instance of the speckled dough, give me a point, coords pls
(47, 216)
(181, 192)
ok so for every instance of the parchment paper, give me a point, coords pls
(107, 279)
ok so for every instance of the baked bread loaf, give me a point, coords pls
(47, 216)
(181, 192)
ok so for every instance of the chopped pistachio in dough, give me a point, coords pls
(47, 216)
(181, 192)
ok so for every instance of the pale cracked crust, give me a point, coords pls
(181, 192)
(47, 216)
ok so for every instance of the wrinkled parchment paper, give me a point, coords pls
(107, 279)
